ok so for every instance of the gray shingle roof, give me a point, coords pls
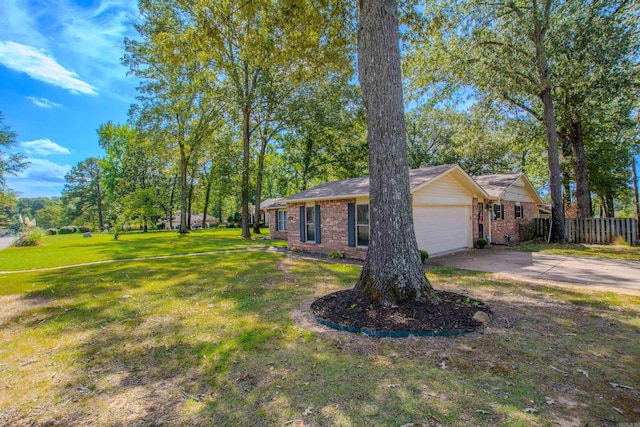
(272, 203)
(496, 184)
(356, 187)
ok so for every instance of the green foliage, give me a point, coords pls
(49, 216)
(83, 194)
(424, 255)
(51, 231)
(336, 255)
(466, 53)
(68, 229)
(481, 243)
(84, 229)
(10, 163)
(8, 211)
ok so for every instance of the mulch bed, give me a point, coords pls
(346, 308)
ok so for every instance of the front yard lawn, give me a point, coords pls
(226, 339)
(71, 249)
(621, 252)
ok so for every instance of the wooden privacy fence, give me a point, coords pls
(593, 230)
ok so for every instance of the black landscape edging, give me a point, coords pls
(393, 334)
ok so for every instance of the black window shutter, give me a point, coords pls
(277, 212)
(351, 223)
(318, 240)
(501, 211)
(302, 224)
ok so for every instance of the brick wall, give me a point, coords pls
(509, 225)
(273, 234)
(474, 219)
(333, 229)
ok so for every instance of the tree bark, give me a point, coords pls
(207, 196)
(579, 157)
(100, 221)
(184, 166)
(635, 185)
(171, 200)
(392, 271)
(246, 146)
(194, 167)
(263, 149)
(609, 208)
(541, 23)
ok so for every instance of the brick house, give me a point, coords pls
(276, 218)
(513, 201)
(265, 206)
(334, 216)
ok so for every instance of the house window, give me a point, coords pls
(519, 211)
(362, 225)
(498, 211)
(281, 220)
(310, 223)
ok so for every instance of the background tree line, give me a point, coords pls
(243, 101)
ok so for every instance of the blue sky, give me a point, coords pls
(60, 78)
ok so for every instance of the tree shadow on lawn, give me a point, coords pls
(210, 341)
(173, 243)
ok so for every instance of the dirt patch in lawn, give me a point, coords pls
(349, 309)
(15, 306)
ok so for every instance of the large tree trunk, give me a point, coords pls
(207, 196)
(392, 271)
(609, 206)
(171, 200)
(194, 167)
(579, 157)
(100, 223)
(263, 149)
(541, 23)
(635, 185)
(184, 167)
(246, 140)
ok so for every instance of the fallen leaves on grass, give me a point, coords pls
(616, 385)
(565, 373)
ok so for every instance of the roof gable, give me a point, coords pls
(498, 185)
(359, 187)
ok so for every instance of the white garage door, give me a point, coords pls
(441, 229)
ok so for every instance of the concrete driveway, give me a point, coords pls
(583, 272)
(6, 241)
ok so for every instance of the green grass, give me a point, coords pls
(621, 252)
(71, 249)
(225, 339)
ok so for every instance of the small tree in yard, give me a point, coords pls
(392, 270)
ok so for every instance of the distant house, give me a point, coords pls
(195, 219)
(276, 218)
(334, 216)
(513, 201)
(265, 205)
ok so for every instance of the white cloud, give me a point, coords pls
(39, 66)
(42, 178)
(43, 170)
(44, 147)
(43, 102)
(20, 22)
(87, 37)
